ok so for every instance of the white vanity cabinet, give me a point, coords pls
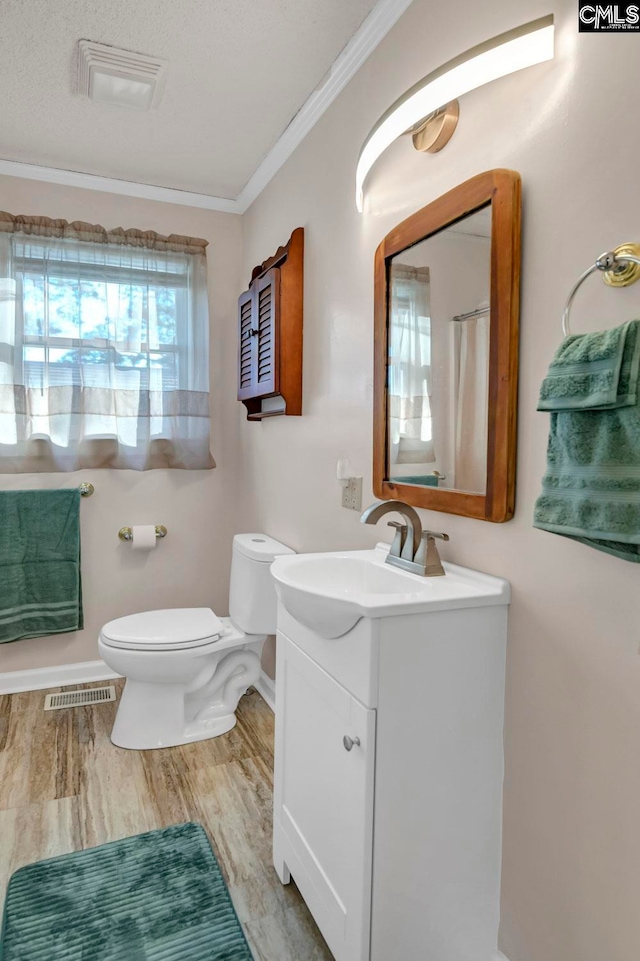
(325, 798)
(395, 841)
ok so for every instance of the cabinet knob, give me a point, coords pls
(350, 741)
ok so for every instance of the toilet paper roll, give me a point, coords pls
(144, 537)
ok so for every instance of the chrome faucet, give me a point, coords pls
(413, 549)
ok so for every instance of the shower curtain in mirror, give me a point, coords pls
(409, 374)
(104, 348)
(471, 426)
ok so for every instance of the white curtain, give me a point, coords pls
(409, 372)
(472, 400)
(104, 348)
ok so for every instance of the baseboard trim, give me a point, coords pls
(85, 672)
(266, 687)
(40, 678)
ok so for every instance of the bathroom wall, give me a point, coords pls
(191, 566)
(572, 795)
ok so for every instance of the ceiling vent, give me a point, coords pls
(120, 77)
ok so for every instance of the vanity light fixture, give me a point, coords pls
(429, 110)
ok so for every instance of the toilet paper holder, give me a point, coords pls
(126, 533)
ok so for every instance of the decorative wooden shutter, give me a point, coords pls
(246, 345)
(258, 326)
(267, 312)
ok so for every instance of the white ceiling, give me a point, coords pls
(239, 70)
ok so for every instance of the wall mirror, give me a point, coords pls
(446, 352)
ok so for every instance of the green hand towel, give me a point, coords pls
(591, 489)
(40, 586)
(594, 371)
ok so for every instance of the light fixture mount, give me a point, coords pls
(122, 78)
(529, 44)
(436, 131)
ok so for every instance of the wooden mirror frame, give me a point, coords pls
(501, 189)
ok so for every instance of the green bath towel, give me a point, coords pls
(40, 587)
(591, 489)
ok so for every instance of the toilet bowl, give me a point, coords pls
(185, 668)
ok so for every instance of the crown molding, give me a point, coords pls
(126, 188)
(377, 25)
(384, 15)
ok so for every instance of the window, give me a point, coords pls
(105, 339)
(409, 370)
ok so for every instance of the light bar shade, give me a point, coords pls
(523, 47)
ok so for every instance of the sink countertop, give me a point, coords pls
(330, 591)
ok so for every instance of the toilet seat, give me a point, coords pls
(176, 629)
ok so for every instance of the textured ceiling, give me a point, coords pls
(239, 70)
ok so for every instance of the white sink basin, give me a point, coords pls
(330, 592)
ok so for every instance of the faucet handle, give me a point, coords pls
(427, 554)
(398, 541)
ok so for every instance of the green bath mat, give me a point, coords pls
(153, 897)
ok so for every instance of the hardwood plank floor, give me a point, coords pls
(64, 786)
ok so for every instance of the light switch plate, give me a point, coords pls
(352, 494)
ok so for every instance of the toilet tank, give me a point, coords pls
(252, 595)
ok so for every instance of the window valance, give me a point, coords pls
(95, 234)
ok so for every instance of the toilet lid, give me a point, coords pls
(169, 630)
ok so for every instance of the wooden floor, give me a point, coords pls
(64, 786)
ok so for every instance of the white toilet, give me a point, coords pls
(186, 669)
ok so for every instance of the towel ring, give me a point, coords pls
(621, 268)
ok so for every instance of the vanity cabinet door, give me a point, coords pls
(324, 799)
